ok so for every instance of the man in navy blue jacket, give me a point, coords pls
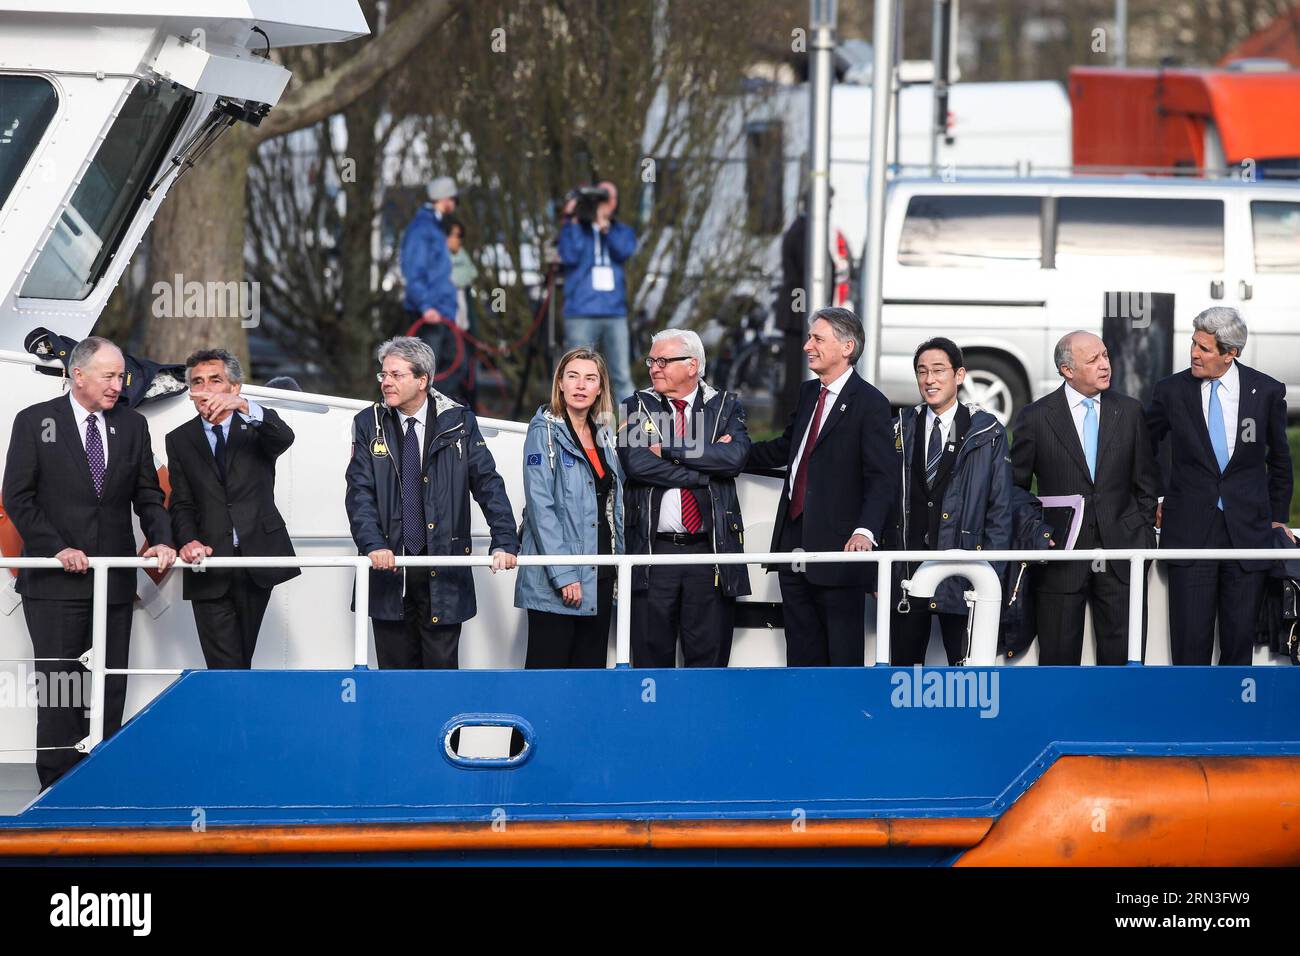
(1229, 487)
(426, 263)
(595, 288)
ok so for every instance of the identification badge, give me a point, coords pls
(602, 278)
(378, 448)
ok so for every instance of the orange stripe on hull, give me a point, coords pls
(957, 833)
(1152, 811)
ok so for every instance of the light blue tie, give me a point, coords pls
(1218, 433)
(1090, 436)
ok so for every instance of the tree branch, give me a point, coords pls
(340, 87)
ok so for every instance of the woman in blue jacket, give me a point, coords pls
(573, 493)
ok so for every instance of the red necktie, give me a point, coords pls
(691, 520)
(801, 475)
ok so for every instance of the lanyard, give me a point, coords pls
(596, 236)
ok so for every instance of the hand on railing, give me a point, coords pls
(195, 551)
(165, 554)
(503, 561)
(73, 560)
(383, 560)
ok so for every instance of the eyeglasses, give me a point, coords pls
(937, 373)
(395, 376)
(663, 362)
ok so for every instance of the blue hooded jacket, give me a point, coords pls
(560, 514)
(426, 266)
(578, 254)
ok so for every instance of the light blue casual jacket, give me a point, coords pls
(560, 513)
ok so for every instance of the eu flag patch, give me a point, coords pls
(534, 459)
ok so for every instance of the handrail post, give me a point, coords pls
(623, 621)
(884, 594)
(98, 655)
(361, 618)
(1136, 605)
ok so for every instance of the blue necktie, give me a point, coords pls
(933, 452)
(1218, 433)
(95, 455)
(1090, 436)
(412, 499)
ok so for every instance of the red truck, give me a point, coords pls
(1162, 120)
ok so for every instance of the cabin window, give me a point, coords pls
(1174, 235)
(1277, 236)
(972, 232)
(27, 104)
(89, 230)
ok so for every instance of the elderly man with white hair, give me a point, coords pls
(682, 445)
(1229, 487)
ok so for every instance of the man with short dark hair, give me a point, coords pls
(955, 493)
(222, 469)
(1085, 439)
(1230, 487)
(76, 466)
(841, 481)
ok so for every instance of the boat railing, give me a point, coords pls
(985, 599)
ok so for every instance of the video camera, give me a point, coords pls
(586, 200)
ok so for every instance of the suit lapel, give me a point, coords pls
(1107, 429)
(236, 439)
(1247, 410)
(840, 406)
(803, 419)
(1062, 422)
(115, 440)
(198, 437)
(67, 422)
(1192, 394)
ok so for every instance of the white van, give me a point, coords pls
(1006, 267)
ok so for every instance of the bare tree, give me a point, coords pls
(200, 230)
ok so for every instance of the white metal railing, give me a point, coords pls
(971, 564)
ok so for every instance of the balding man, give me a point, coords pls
(1088, 440)
(76, 466)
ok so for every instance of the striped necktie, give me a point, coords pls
(933, 452)
(691, 519)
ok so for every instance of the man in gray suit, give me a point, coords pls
(1085, 439)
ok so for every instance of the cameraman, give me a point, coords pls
(593, 247)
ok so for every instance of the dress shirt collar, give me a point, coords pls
(946, 419)
(421, 416)
(1229, 380)
(80, 414)
(837, 386)
(1074, 397)
(690, 399)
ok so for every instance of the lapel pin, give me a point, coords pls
(844, 407)
(112, 430)
(243, 427)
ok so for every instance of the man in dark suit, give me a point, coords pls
(222, 468)
(1086, 439)
(1230, 486)
(76, 465)
(838, 452)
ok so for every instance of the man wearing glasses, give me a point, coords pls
(416, 458)
(682, 444)
(955, 493)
